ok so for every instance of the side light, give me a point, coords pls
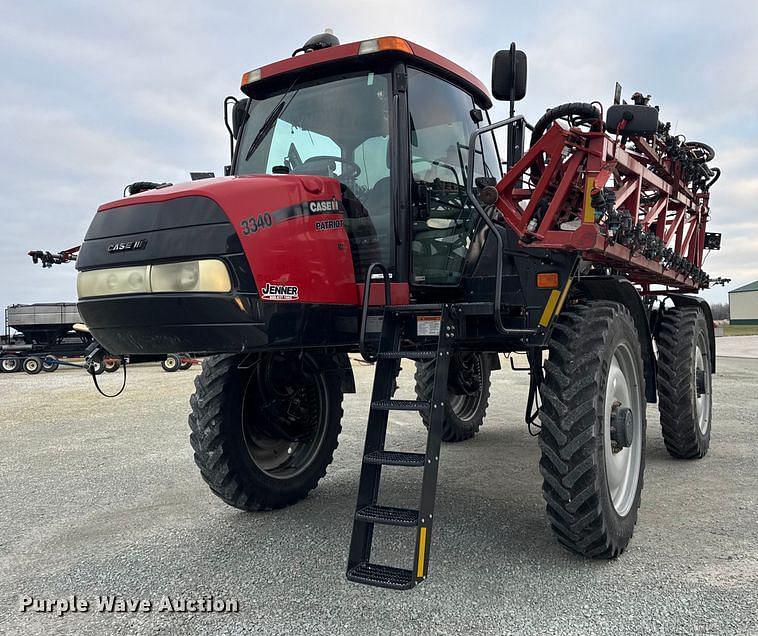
(384, 44)
(547, 280)
(250, 77)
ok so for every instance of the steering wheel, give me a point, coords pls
(355, 169)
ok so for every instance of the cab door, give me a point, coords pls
(441, 118)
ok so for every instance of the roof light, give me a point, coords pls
(384, 44)
(251, 76)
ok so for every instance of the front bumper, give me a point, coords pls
(215, 323)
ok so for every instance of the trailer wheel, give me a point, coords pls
(10, 364)
(171, 363)
(32, 365)
(185, 363)
(684, 382)
(97, 368)
(112, 365)
(264, 435)
(593, 429)
(50, 364)
(468, 394)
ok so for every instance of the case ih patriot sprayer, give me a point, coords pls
(366, 209)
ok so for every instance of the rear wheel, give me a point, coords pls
(684, 382)
(112, 365)
(185, 363)
(32, 365)
(264, 435)
(171, 363)
(10, 364)
(467, 397)
(593, 429)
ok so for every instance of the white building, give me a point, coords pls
(743, 305)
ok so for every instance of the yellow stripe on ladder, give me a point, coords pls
(421, 552)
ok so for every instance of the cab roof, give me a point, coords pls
(386, 47)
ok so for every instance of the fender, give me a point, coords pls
(620, 290)
(684, 300)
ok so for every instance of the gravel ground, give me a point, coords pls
(102, 497)
(737, 346)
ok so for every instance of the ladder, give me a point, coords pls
(368, 513)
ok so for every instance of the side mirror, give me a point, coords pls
(239, 115)
(509, 74)
(640, 120)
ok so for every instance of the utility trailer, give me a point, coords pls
(366, 209)
(37, 335)
(41, 336)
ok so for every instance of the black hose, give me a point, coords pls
(586, 113)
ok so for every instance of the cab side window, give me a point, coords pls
(442, 218)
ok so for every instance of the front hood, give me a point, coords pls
(290, 230)
(269, 191)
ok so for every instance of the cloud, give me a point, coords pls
(96, 95)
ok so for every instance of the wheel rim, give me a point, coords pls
(466, 405)
(622, 465)
(702, 399)
(283, 421)
(170, 363)
(9, 364)
(32, 365)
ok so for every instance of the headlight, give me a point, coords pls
(188, 276)
(116, 280)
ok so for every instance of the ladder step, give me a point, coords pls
(394, 458)
(408, 355)
(381, 576)
(400, 405)
(388, 516)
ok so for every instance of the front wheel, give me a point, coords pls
(468, 393)
(593, 428)
(264, 432)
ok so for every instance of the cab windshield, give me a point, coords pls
(337, 128)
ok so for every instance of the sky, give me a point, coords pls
(95, 95)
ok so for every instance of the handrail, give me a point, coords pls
(488, 221)
(365, 354)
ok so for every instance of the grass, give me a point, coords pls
(741, 330)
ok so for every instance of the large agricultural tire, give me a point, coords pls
(10, 364)
(684, 382)
(252, 454)
(468, 394)
(593, 429)
(32, 365)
